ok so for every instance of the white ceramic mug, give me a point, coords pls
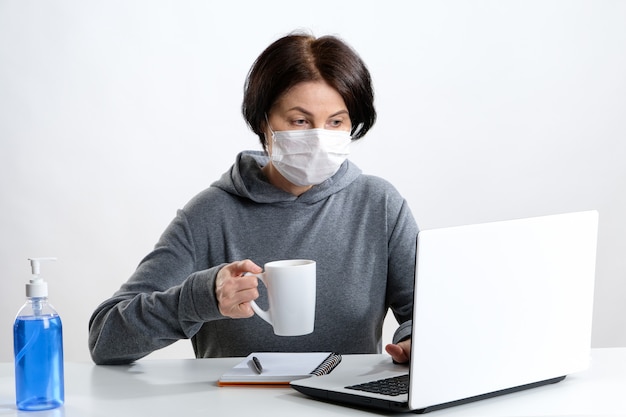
(291, 293)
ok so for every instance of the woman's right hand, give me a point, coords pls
(234, 290)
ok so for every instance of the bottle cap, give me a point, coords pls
(37, 287)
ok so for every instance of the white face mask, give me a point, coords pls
(309, 156)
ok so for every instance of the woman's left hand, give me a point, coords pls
(400, 352)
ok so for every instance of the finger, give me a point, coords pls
(240, 311)
(234, 295)
(393, 350)
(241, 283)
(239, 268)
(228, 282)
(236, 304)
(397, 353)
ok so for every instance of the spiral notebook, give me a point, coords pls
(279, 368)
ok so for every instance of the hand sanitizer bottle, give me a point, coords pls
(38, 347)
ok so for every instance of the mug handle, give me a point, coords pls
(265, 315)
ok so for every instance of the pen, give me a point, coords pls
(257, 364)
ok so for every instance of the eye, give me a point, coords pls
(335, 123)
(299, 122)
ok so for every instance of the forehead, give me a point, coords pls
(313, 96)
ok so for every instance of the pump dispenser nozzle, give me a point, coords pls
(37, 287)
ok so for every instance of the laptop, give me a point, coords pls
(498, 307)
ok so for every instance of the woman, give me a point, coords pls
(306, 99)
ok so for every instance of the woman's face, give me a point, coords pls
(308, 105)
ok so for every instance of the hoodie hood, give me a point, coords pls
(245, 179)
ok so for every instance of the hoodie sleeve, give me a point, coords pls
(166, 299)
(401, 275)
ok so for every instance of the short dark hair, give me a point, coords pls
(298, 58)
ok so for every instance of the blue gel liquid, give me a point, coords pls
(38, 344)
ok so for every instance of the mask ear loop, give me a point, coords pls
(269, 126)
(356, 131)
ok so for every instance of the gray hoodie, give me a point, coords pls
(357, 227)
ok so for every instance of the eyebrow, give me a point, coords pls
(308, 113)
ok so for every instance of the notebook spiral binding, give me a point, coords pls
(328, 365)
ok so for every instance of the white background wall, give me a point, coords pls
(114, 114)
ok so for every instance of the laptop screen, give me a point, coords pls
(501, 304)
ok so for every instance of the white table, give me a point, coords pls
(187, 387)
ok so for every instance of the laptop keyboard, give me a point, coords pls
(389, 386)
